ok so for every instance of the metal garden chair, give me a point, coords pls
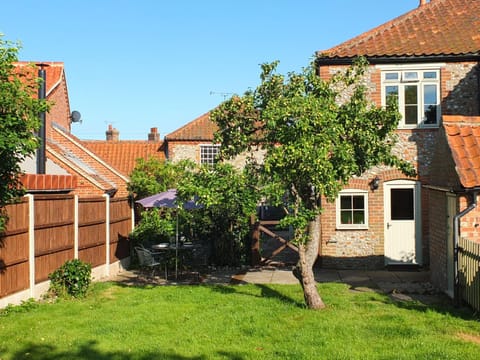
(150, 260)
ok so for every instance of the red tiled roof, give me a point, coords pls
(68, 152)
(463, 136)
(200, 129)
(48, 182)
(440, 27)
(122, 154)
(53, 72)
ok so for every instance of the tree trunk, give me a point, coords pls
(303, 271)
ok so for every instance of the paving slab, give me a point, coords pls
(327, 275)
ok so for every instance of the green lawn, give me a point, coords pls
(236, 322)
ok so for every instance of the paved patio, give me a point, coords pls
(392, 282)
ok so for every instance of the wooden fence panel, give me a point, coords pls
(52, 237)
(92, 230)
(469, 272)
(14, 251)
(54, 233)
(120, 227)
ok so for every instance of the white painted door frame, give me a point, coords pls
(402, 228)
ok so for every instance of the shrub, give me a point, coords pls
(72, 278)
(154, 227)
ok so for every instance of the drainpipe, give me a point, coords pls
(478, 86)
(41, 160)
(456, 248)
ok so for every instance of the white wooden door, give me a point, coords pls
(402, 222)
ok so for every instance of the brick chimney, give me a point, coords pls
(112, 133)
(423, 2)
(154, 135)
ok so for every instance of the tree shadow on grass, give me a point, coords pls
(441, 305)
(89, 351)
(266, 291)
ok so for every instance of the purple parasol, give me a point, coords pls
(167, 199)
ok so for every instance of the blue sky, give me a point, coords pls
(138, 64)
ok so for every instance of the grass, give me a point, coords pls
(235, 322)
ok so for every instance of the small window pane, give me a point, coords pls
(346, 217)
(391, 76)
(346, 202)
(402, 204)
(430, 103)
(391, 91)
(430, 94)
(430, 75)
(359, 217)
(411, 104)
(410, 76)
(411, 115)
(411, 94)
(358, 202)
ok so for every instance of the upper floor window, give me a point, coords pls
(417, 93)
(208, 154)
(352, 209)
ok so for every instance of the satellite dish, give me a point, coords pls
(76, 116)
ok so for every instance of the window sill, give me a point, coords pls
(418, 127)
(352, 227)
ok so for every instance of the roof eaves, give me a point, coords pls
(396, 59)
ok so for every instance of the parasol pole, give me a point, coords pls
(176, 248)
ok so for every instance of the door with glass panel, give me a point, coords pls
(402, 223)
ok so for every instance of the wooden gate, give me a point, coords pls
(270, 245)
(469, 272)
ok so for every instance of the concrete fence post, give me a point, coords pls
(31, 244)
(75, 227)
(107, 234)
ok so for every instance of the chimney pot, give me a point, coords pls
(154, 135)
(112, 134)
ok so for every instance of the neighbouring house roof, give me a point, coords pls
(54, 72)
(463, 137)
(122, 154)
(200, 129)
(48, 182)
(89, 173)
(438, 28)
(68, 152)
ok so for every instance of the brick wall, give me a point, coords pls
(60, 111)
(470, 223)
(460, 89)
(185, 150)
(438, 237)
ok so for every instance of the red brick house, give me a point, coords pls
(429, 59)
(193, 141)
(70, 166)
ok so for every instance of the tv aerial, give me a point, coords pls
(224, 94)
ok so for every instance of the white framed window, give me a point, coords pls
(352, 209)
(417, 92)
(208, 154)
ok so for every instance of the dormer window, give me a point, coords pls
(417, 93)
